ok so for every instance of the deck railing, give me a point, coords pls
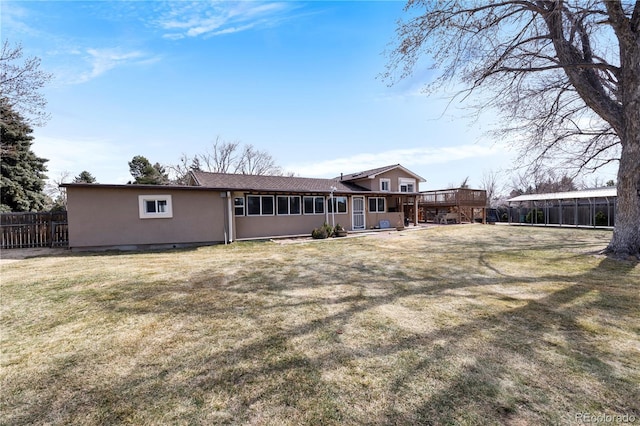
(454, 197)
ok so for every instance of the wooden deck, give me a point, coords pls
(469, 204)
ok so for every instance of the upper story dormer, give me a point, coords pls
(392, 179)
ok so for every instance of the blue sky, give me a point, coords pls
(296, 79)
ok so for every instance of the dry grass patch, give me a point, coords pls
(449, 325)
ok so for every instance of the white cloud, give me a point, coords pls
(97, 62)
(410, 158)
(13, 22)
(104, 60)
(212, 18)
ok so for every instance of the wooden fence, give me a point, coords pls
(26, 230)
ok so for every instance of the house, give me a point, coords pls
(222, 208)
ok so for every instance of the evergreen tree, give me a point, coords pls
(145, 173)
(23, 177)
(84, 177)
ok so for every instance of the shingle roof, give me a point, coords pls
(272, 183)
(374, 172)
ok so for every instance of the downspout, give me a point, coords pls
(326, 210)
(229, 238)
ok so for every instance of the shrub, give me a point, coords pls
(323, 232)
(319, 233)
(539, 218)
(601, 219)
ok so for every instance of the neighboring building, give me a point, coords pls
(587, 208)
(221, 208)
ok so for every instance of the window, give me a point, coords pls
(238, 206)
(377, 204)
(339, 205)
(407, 185)
(288, 205)
(313, 205)
(155, 206)
(385, 185)
(259, 205)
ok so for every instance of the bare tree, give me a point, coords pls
(226, 157)
(179, 173)
(57, 196)
(20, 84)
(542, 181)
(223, 158)
(254, 162)
(490, 182)
(565, 75)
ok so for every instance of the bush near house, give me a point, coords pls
(325, 231)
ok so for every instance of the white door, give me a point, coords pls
(358, 213)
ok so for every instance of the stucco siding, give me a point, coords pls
(110, 217)
(394, 218)
(272, 226)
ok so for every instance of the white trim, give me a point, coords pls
(261, 197)
(388, 182)
(384, 200)
(405, 182)
(289, 197)
(360, 213)
(324, 205)
(335, 200)
(244, 203)
(167, 206)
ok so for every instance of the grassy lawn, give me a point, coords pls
(448, 325)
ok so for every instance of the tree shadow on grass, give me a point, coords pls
(513, 373)
(494, 368)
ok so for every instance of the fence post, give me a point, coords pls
(51, 230)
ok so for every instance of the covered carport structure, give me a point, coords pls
(586, 208)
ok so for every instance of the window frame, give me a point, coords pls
(382, 182)
(405, 182)
(143, 201)
(315, 204)
(261, 205)
(334, 200)
(236, 206)
(289, 199)
(377, 205)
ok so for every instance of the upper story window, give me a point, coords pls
(338, 205)
(155, 206)
(259, 205)
(288, 204)
(313, 205)
(385, 184)
(377, 204)
(407, 185)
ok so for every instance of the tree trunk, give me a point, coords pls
(626, 234)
